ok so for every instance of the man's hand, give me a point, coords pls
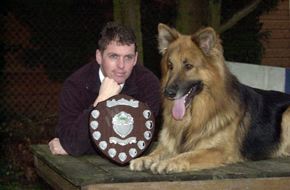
(56, 148)
(108, 88)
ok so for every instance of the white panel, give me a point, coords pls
(259, 76)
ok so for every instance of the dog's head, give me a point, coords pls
(187, 65)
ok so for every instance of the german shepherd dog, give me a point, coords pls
(210, 119)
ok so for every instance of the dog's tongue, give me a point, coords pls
(178, 109)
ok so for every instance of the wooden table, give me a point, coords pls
(94, 172)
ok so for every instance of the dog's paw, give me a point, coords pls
(167, 167)
(141, 163)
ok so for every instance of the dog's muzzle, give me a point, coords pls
(181, 96)
(173, 91)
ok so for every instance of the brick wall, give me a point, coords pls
(277, 52)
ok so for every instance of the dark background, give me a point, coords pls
(43, 41)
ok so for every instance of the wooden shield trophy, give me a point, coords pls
(122, 128)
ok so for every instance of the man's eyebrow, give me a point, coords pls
(112, 53)
(131, 54)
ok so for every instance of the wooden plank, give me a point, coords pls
(276, 15)
(277, 53)
(93, 172)
(283, 5)
(280, 34)
(277, 62)
(232, 184)
(73, 169)
(277, 44)
(52, 177)
(276, 24)
(271, 168)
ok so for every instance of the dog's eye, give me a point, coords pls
(188, 66)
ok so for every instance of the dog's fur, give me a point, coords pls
(224, 121)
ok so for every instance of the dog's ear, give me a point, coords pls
(166, 35)
(206, 39)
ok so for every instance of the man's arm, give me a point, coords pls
(55, 147)
(72, 130)
(108, 88)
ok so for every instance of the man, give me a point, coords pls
(114, 71)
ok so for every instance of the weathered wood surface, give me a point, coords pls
(94, 172)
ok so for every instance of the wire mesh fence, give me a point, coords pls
(43, 42)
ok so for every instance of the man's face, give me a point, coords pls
(117, 61)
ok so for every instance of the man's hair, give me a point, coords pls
(113, 31)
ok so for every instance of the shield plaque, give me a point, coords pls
(122, 128)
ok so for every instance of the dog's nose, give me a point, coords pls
(170, 92)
